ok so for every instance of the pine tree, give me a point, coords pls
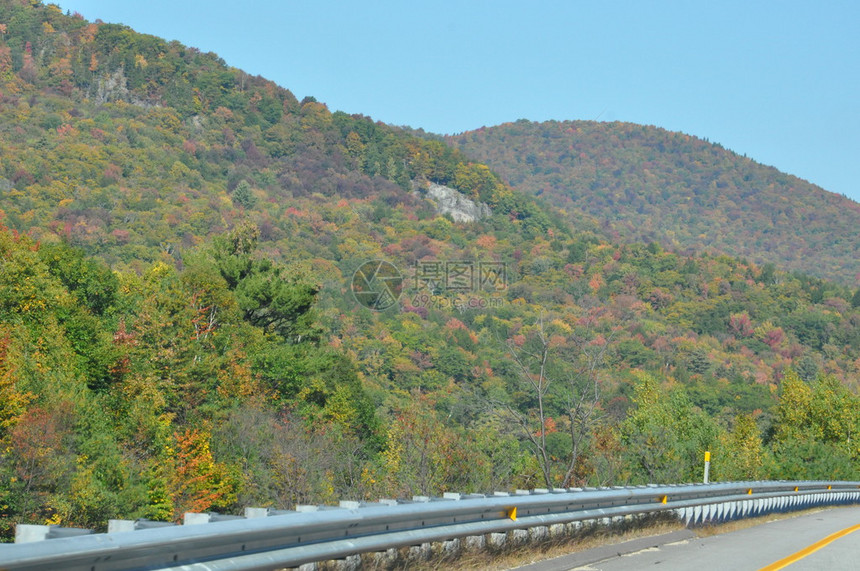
(243, 195)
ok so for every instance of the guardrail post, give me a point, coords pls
(475, 542)
(497, 541)
(26, 533)
(117, 525)
(251, 513)
(193, 518)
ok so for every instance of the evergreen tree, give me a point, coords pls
(243, 195)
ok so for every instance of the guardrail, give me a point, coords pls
(271, 539)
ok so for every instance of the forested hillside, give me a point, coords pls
(648, 184)
(184, 320)
(118, 141)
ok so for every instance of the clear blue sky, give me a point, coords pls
(777, 81)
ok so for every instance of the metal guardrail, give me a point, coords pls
(289, 539)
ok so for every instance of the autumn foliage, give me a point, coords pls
(178, 331)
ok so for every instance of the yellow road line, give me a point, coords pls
(782, 563)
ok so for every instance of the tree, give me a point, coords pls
(90, 281)
(232, 252)
(41, 456)
(816, 428)
(13, 402)
(269, 295)
(741, 454)
(194, 480)
(243, 195)
(665, 435)
(559, 373)
(273, 299)
(424, 454)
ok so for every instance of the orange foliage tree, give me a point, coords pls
(195, 482)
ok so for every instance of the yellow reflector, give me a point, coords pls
(664, 499)
(749, 492)
(512, 513)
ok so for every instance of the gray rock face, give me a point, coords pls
(451, 201)
(114, 87)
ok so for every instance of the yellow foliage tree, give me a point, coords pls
(13, 403)
(742, 454)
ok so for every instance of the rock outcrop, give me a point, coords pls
(451, 201)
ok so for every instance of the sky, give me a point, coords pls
(778, 82)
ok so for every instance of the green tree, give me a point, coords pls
(278, 300)
(665, 435)
(269, 295)
(815, 429)
(243, 195)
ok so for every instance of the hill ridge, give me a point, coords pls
(650, 184)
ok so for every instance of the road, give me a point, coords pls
(754, 548)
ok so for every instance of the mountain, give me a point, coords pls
(118, 141)
(213, 295)
(647, 184)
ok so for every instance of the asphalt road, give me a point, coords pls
(754, 548)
